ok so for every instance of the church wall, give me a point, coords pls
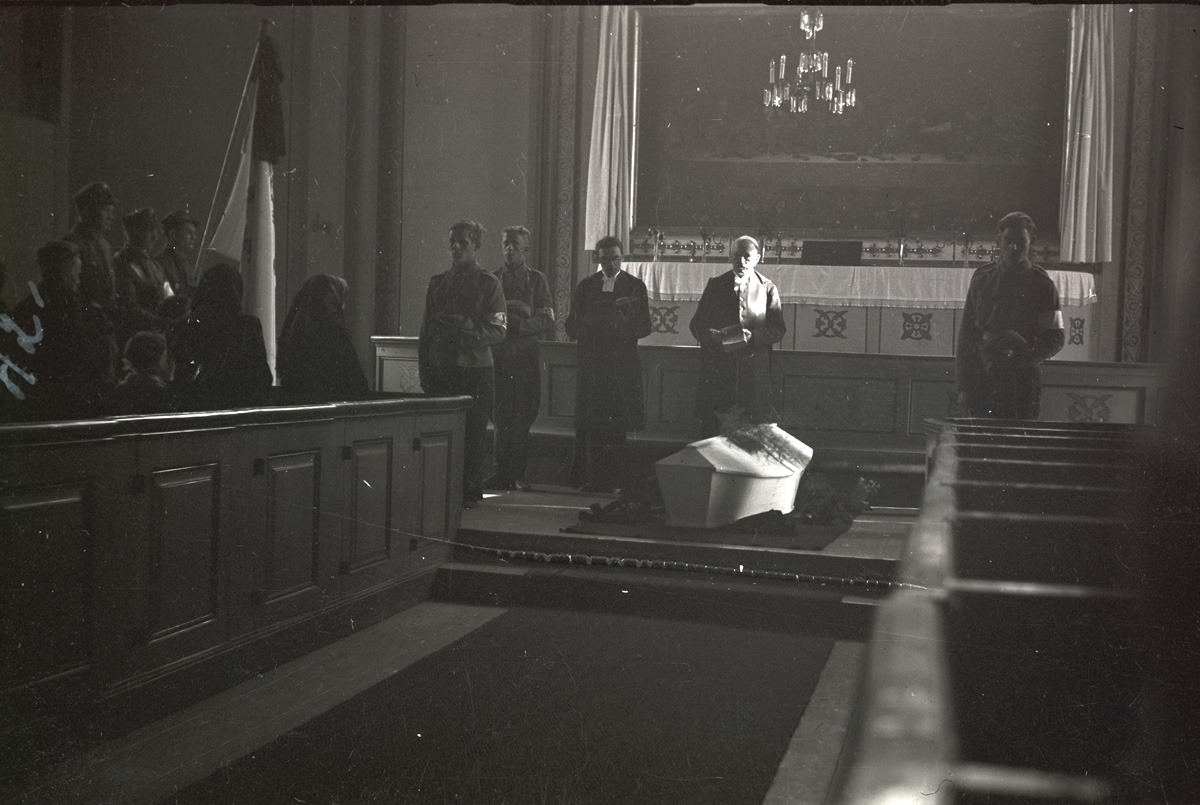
(468, 138)
(151, 93)
(1181, 236)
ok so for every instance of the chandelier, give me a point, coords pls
(810, 83)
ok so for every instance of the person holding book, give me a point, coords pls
(739, 318)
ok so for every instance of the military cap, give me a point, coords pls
(55, 254)
(139, 221)
(179, 218)
(94, 196)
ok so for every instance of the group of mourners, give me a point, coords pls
(136, 331)
(480, 332)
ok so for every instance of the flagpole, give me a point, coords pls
(266, 23)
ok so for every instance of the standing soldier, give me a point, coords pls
(518, 373)
(177, 258)
(464, 317)
(96, 207)
(1011, 322)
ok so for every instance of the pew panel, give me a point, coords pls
(56, 509)
(435, 514)
(177, 535)
(292, 547)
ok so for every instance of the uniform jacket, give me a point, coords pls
(530, 316)
(1011, 319)
(464, 316)
(177, 268)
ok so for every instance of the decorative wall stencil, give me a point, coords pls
(664, 319)
(917, 327)
(1076, 334)
(830, 323)
(1088, 407)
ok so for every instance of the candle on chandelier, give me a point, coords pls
(766, 97)
(825, 65)
(782, 66)
(849, 68)
(837, 79)
(772, 71)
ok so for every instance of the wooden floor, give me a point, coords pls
(150, 764)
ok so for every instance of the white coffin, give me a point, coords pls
(714, 482)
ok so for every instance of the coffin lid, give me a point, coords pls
(722, 456)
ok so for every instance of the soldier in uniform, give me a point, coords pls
(96, 207)
(610, 311)
(140, 286)
(464, 317)
(177, 258)
(738, 319)
(1011, 323)
(518, 374)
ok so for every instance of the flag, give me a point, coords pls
(246, 231)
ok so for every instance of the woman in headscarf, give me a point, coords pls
(316, 353)
(220, 356)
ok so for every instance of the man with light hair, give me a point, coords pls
(464, 317)
(1012, 322)
(518, 372)
(739, 318)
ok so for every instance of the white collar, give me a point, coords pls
(609, 284)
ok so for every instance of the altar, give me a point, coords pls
(867, 309)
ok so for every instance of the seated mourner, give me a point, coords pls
(219, 353)
(68, 345)
(146, 387)
(316, 357)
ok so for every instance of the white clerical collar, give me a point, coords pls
(610, 282)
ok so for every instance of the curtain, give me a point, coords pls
(1085, 219)
(609, 207)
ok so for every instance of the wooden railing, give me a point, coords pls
(1011, 665)
(139, 548)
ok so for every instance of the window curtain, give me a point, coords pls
(1085, 219)
(609, 207)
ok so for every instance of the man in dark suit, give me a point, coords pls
(610, 311)
(739, 318)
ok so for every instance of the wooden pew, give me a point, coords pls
(151, 560)
(1023, 624)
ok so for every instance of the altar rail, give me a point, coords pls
(1012, 665)
(176, 548)
(871, 407)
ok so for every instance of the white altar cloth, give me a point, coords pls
(922, 287)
